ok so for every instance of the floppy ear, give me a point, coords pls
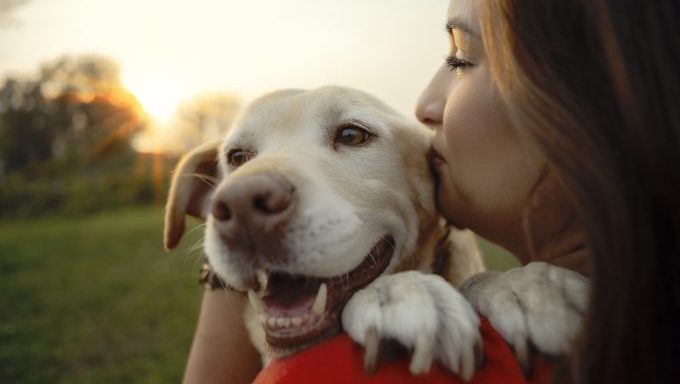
(194, 179)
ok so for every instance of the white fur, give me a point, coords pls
(539, 303)
(422, 312)
(361, 193)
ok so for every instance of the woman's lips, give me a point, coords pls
(435, 159)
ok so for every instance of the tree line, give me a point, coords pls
(66, 139)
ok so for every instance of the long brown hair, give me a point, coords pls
(596, 85)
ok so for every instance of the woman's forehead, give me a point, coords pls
(463, 13)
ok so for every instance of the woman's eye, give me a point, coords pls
(236, 157)
(352, 135)
(457, 64)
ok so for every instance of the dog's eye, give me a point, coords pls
(236, 157)
(352, 135)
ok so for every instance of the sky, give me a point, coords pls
(169, 50)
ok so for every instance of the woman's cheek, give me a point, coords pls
(490, 168)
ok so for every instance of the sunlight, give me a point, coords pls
(159, 95)
(158, 137)
(160, 103)
(159, 98)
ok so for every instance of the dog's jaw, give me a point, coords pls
(296, 311)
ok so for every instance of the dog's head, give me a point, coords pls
(315, 194)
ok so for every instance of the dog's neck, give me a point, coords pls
(449, 252)
(431, 253)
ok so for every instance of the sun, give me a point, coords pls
(159, 97)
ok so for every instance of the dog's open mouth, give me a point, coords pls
(297, 310)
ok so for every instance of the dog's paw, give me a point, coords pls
(538, 304)
(422, 312)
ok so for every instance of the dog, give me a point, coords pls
(320, 205)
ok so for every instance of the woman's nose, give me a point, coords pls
(431, 104)
(429, 112)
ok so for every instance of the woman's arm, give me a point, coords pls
(221, 351)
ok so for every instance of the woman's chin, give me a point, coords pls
(444, 200)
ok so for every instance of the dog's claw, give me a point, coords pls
(521, 352)
(421, 361)
(479, 354)
(371, 350)
(467, 364)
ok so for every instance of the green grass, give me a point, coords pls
(95, 299)
(496, 258)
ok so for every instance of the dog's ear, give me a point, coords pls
(194, 179)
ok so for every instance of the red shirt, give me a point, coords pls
(339, 360)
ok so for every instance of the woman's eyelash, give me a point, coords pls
(457, 64)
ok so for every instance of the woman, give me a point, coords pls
(568, 104)
(559, 141)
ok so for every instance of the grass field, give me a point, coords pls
(96, 300)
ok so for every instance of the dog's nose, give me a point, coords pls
(258, 204)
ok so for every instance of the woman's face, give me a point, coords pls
(486, 169)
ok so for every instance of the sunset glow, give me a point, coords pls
(158, 99)
(171, 50)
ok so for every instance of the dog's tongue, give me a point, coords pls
(290, 294)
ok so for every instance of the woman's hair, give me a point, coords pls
(596, 85)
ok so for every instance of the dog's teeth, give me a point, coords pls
(271, 321)
(320, 301)
(262, 278)
(296, 321)
(255, 301)
(283, 322)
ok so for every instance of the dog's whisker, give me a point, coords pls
(373, 260)
(198, 246)
(197, 251)
(345, 280)
(193, 252)
(197, 226)
(197, 261)
(208, 179)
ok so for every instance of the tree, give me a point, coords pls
(201, 119)
(74, 108)
(24, 130)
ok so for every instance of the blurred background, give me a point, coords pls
(97, 101)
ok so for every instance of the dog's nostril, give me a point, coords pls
(272, 203)
(221, 211)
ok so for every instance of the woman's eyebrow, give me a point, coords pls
(456, 23)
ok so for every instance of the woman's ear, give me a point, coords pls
(193, 181)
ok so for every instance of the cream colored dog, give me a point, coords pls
(319, 204)
(316, 194)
